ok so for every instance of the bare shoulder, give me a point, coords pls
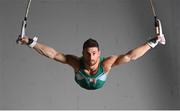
(109, 61)
(73, 61)
(73, 57)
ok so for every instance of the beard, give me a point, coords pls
(92, 62)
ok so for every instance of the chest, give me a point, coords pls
(90, 81)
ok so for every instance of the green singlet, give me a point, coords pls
(87, 81)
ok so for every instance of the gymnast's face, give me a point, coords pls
(91, 55)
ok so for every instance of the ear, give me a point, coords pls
(82, 52)
(99, 53)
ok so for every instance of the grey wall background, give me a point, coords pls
(30, 81)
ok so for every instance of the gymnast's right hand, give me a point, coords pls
(22, 40)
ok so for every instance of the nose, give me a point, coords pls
(90, 57)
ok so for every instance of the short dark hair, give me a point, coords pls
(90, 43)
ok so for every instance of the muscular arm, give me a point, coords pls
(53, 54)
(129, 56)
(132, 54)
(50, 52)
(58, 56)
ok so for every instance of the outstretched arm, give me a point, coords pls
(131, 55)
(135, 53)
(52, 53)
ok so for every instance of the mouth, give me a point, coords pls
(92, 62)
